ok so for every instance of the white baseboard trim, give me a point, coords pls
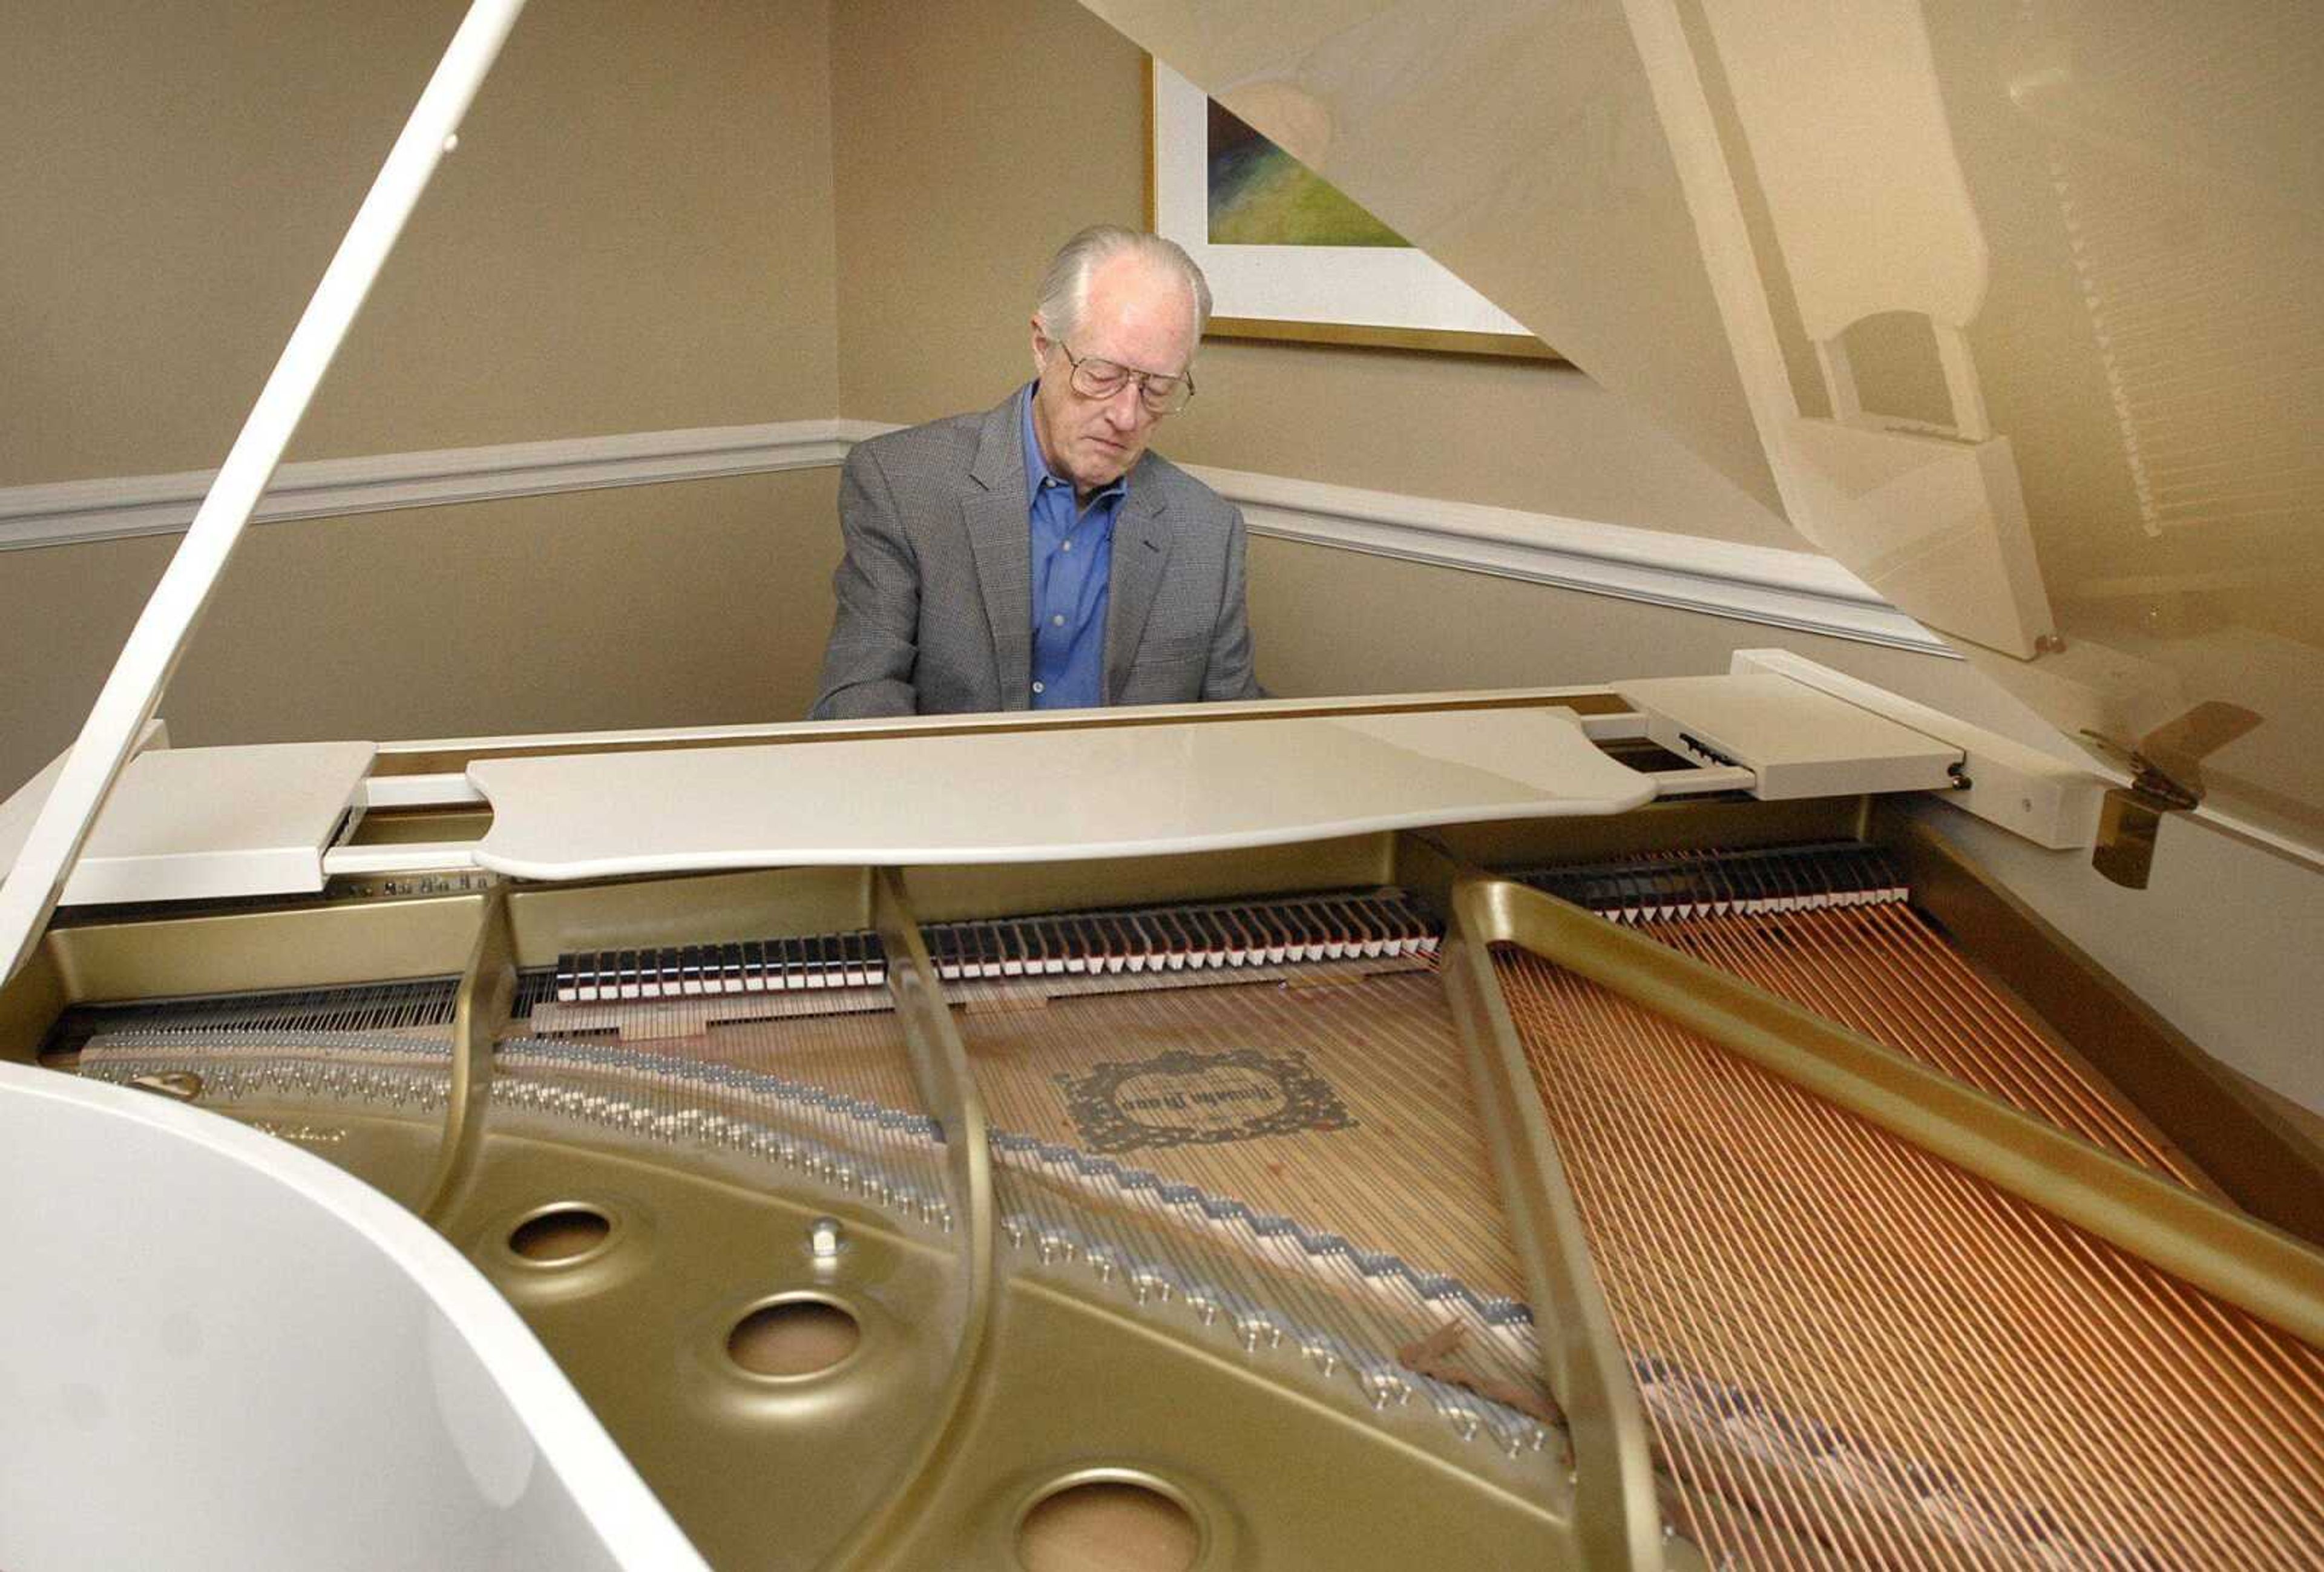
(1800, 591)
(74, 511)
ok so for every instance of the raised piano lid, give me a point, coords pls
(2011, 307)
(1041, 796)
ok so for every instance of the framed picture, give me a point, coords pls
(1288, 256)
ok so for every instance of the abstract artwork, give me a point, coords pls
(1289, 255)
(1260, 195)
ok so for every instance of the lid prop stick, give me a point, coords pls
(132, 692)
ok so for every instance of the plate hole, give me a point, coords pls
(561, 1233)
(1109, 1525)
(793, 1337)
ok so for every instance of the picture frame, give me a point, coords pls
(1384, 294)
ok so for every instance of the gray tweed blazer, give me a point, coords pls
(936, 592)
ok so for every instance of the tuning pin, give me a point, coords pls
(1384, 1389)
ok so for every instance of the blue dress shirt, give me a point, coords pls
(1072, 555)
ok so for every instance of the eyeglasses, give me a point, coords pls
(1101, 379)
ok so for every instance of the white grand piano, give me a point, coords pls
(1621, 1124)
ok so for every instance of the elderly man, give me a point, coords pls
(1037, 555)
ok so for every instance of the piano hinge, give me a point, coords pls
(1703, 750)
(2131, 817)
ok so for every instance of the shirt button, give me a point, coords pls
(1057, 622)
(1037, 688)
(1066, 547)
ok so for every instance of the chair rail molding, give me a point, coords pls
(64, 512)
(1802, 590)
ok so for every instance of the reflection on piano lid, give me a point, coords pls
(2009, 308)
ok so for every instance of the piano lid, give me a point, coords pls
(2010, 307)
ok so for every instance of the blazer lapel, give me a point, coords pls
(994, 514)
(1141, 549)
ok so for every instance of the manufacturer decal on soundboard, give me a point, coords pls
(1185, 1099)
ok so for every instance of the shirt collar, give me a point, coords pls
(1038, 475)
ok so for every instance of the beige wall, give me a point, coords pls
(1375, 625)
(645, 606)
(971, 135)
(635, 234)
(974, 135)
(717, 212)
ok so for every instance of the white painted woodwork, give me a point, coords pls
(1796, 741)
(124, 704)
(24, 805)
(1769, 585)
(1805, 590)
(2041, 797)
(61, 513)
(1932, 524)
(438, 790)
(1722, 235)
(401, 857)
(218, 1350)
(193, 823)
(1704, 781)
(1040, 796)
(1930, 521)
(274, 817)
(1855, 156)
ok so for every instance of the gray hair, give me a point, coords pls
(1065, 287)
